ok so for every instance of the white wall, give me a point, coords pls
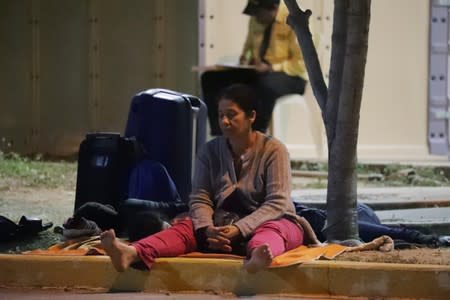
(393, 124)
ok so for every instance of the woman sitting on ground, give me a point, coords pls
(240, 198)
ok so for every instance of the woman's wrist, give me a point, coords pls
(233, 231)
(201, 237)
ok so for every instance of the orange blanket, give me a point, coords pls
(76, 247)
(302, 254)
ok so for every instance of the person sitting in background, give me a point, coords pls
(370, 227)
(272, 48)
(241, 198)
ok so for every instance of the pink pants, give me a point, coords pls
(281, 235)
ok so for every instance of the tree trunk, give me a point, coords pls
(340, 105)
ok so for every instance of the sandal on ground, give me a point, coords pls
(27, 226)
(8, 229)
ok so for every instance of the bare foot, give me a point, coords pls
(121, 254)
(260, 258)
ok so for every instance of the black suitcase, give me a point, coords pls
(104, 164)
(171, 127)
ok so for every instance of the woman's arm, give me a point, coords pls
(201, 206)
(246, 56)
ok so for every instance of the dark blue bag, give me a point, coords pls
(149, 180)
(151, 188)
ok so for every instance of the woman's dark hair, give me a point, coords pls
(241, 94)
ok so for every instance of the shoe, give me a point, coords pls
(32, 225)
(428, 239)
(27, 226)
(104, 215)
(8, 229)
(80, 227)
(401, 244)
(58, 229)
(444, 241)
(417, 237)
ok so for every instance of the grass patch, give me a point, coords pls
(380, 175)
(17, 170)
(319, 184)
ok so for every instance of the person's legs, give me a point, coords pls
(366, 214)
(212, 82)
(271, 239)
(176, 240)
(369, 231)
(369, 224)
(316, 218)
(122, 255)
(411, 235)
(150, 189)
(370, 227)
(271, 86)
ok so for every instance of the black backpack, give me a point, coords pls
(104, 164)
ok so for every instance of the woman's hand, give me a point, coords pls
(263, 67)
(230, 232)
(217, 240)
(221, 237)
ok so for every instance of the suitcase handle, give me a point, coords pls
(102, 135)
(194, 101)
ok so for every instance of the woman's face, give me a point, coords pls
(232, 119)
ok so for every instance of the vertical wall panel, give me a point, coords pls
(393, 124)
(69, 67)
(127, 56)
(15, 75)
(63, 31)
(438, 140)
(225, 29)
(181, 45)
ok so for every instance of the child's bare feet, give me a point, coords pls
(121, 254)
(260, 258)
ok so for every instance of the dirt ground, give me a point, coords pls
(56, 205)
(439, 256)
